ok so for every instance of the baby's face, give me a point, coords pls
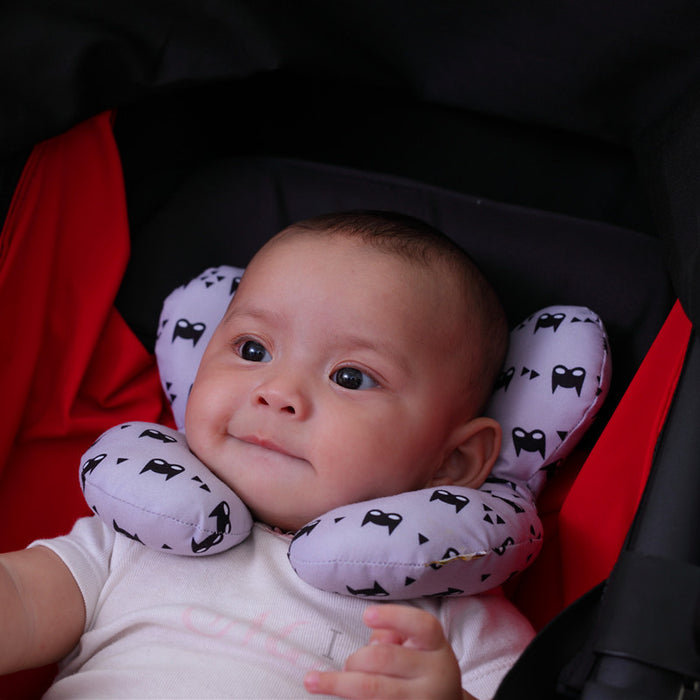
(333, 378)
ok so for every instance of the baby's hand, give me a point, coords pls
(408, 656)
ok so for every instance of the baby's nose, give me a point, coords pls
(282, 405)
(282, 396)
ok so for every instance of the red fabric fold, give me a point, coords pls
(591, 502)
(70, 366)
(599, 508)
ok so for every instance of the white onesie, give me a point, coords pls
(239, 624)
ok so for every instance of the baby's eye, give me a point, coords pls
(353, 378)
(252, 351)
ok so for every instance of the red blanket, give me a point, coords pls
(70, 366)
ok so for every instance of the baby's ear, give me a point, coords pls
(477, 444)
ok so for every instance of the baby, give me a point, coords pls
(352, 363)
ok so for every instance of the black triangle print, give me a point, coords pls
(164, 324)
(487, 518)
(166, 546)
(575, 319)
(122, 459)
(562, 434)
(534, 374)
(196, 478)
(488, 509)
(409, 581)
(126, 425)
(204, 487)
(337, 520)
(172, 398)
(524, 371)
(484, 577)
(168, 385)
(422, 539)
(220, 277)
(500, 520)
(589, 320)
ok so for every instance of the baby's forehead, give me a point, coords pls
(427, 259)
(430, 291)
(436, 266)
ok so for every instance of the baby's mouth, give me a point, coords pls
(265, 444)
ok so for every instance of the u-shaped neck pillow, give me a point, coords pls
(142, 479)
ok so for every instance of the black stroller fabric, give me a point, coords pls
(559, 143)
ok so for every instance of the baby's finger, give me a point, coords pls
(385, 637)
(419, 628)
(389, 660)
(344, 684)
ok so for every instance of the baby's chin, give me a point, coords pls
(282, 521)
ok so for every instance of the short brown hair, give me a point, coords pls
(420, 243)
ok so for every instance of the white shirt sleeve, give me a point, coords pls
(487, 634)
(86, 551)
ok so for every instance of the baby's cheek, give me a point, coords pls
(198, 439)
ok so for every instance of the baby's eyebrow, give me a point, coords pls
(252, 313)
